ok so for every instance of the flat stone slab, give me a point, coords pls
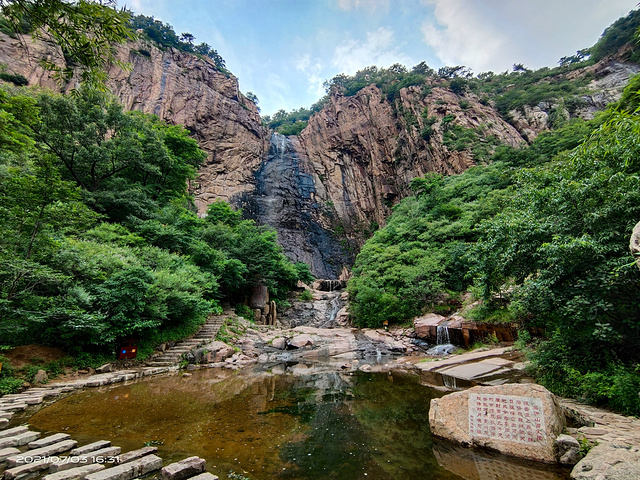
(8, 452)
(462, 358)
(19, 440)
(48, 451)
(129, 470)
(205, 476)
(50, 440)
(75, 473)
(21, 470)
(91, 447)
(183, 469)
(471, 371)
(4, 422)
(13, 407)
(11, 432)
(6, 415)
(136, 454)
(102, 456)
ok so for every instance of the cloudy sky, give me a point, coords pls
(282, 50)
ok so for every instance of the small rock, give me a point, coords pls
(301, 341)
(183, 469)
(186, 375)
(41, 377)
(568, 449)
(280, 343)
(106, 368)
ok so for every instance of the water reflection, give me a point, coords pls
(318, 423)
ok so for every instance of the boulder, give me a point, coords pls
(106, 368)
(280, 343)
(427, 325)
(568, 449)
(40, 377)
(522, 420)
(301, 341)
(259, 297)
(609, 461)
(211, 353)
(634, 244)
(257, 313)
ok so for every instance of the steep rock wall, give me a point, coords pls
(365, 150)
(180, 88)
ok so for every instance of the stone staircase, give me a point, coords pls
(206, 334)
(58, 457)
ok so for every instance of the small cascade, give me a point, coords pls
(334, 308)
(443, 343)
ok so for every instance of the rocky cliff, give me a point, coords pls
(178, 87)
(327, 190)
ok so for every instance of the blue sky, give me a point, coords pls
(282, 50)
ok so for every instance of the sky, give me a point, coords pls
(283, 50)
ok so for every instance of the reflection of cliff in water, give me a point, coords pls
(285, 198)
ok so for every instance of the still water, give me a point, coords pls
(292, 422)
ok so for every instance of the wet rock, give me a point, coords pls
(531, 419)
(183, 469)
(609, 461)
(568, 449)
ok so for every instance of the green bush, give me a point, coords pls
(305, 296)
(9, 385)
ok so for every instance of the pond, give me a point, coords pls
(290, 422)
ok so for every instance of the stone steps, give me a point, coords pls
(95, 461)
(206, 333)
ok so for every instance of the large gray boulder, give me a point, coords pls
(609, 461)
(522, 420)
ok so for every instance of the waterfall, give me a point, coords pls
(443, 342)
(442, 335)
(285, 198)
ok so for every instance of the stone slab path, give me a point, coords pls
(206, 334)
(62, 459)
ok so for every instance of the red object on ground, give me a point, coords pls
(128, 349)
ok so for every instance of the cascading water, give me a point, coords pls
(285, 199)
(443, 342)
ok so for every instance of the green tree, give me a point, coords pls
(87, 35)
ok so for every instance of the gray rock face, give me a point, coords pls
(609, 461)
(285, 199)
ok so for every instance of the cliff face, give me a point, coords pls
(328, 189)
(365, 150)
(180, 88)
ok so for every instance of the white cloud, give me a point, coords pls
(370, 5)
(379, 48)
(313, 72)
(495, 34)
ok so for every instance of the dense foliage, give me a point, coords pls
(541, 235)
(86, 36)
(99, 241)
